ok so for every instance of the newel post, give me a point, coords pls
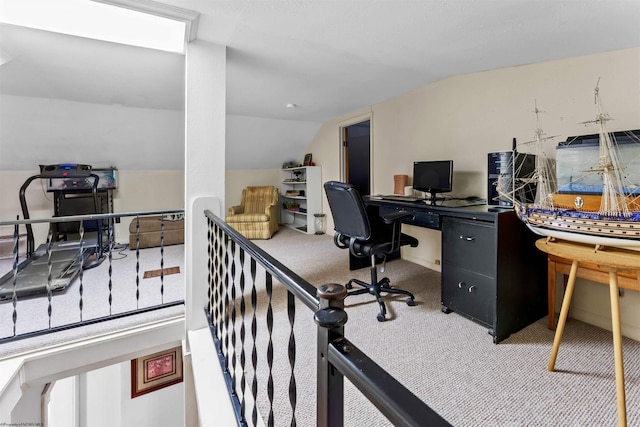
(330, 319)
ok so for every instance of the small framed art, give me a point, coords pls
(156, 371)
(307, 159)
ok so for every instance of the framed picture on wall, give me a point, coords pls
(156, 371)
(307, 160)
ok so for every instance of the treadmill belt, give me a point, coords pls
(33, 274)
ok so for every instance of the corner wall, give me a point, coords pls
(239, 179)
(43, 131)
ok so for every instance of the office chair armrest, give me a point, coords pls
(396, 216)
(395, 219)
(338, 242)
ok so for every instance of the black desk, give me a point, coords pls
(429, 216)
(492, 272)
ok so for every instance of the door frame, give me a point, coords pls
(341, 149)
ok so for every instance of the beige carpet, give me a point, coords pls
(32, 312)
(447, 360)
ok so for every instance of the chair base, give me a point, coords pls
(376, 290)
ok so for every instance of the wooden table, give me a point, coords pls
(556, 264)
(612, 260)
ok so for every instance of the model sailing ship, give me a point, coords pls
(611, 218)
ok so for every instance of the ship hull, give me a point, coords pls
(583, 227)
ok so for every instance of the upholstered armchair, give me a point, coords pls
(257, 215)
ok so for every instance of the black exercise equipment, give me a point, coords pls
(64, 255)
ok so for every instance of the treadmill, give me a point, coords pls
(67, 258)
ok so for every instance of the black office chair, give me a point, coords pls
(367, 236)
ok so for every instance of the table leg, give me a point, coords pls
(564, 311)
(617, 347)
(551, 293)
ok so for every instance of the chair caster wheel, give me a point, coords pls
(411, 302)
(348, 286)
(381, 317)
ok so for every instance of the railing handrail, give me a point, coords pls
(302, 289)
(335, 352)
(71, 218)
(103, 252)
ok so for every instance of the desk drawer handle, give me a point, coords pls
(472, 288)
(467, 238)
(461, 285)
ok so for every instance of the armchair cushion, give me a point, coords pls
(146, 232)
(257, 215)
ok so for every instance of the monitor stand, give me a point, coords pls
(433, 199)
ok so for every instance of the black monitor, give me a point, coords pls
(433, 177)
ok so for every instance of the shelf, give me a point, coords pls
(294, 212)
(297, 227)
(306, 192)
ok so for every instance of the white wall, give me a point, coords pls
(271, 141)
(37, 131)
(63, 409)
(155, 409)
(146, 190)
(103, 399)
(98, 387)
(465, 117)
(239, 179)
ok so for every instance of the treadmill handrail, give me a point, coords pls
(25, 210)
(71, 218)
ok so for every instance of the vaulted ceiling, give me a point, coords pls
(327, 57)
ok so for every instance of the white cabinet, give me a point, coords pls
(300, 197)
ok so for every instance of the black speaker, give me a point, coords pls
(501, 165)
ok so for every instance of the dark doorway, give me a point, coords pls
(357, 155)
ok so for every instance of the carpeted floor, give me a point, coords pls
(32, 312)
(447, 360)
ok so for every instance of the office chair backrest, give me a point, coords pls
(348, 210)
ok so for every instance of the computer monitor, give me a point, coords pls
(433, 177)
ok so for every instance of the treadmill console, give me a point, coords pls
(65, 170)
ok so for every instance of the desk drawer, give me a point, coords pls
(469, 293)
(425, 219)
(421, 218)
(469, 244)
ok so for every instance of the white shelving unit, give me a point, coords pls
(305, 180)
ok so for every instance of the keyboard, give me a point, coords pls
(399, 198)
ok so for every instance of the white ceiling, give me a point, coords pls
(328, 57)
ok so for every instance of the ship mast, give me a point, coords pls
(544, 194)
(614, 201)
